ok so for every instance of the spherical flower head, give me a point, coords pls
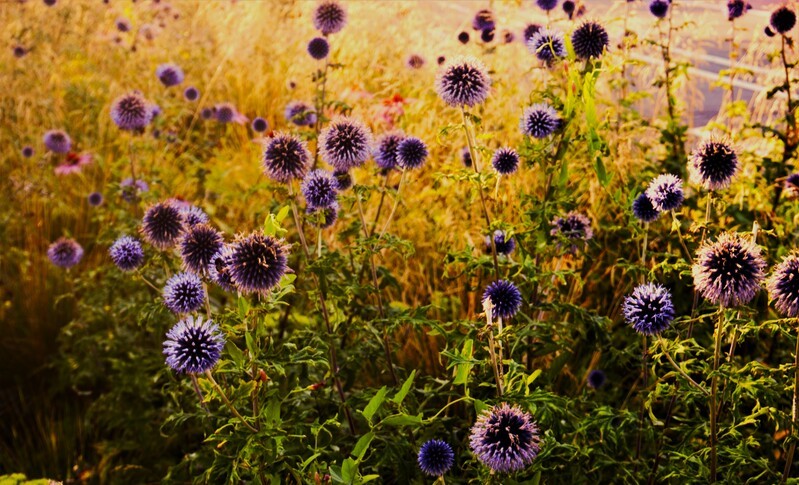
(131, 189)
(385, 150)
(318, 48)
(547, 4)
(508, 36)
(435, 458)
(665, 192)
(463, 81)
(27, 151)
(324, 217)
(219, 269)
(345, 143)
(257, 263)
(487, 35)
(411, 153)
(596, 379)
(207, 113)
(791, 188)
(547, 45)
(649, 309)
(198, 245)
(415, 61)
(225, 113)
(65, 252)
(505, 439)
(574, 227)
(319, 189)
(466, 157)
(441, 60)
(131, 112)
(659, 8)
(329, 17)
(737, 8)
(126, 253)
(529, 31)
(343, 180)
(644, 210)
(713, 165)
(483, 20)
(505, 161)
(782, 20)
(184, 293)
(123, 24)
(568, 7)
(169, 74)
(162, 225)
(57, 141)
(783, 286)
(463, 37)
(193, 345)
(259, 125)
(192, 215)
(505, 298)
(504, 245)
(729, 271)
(286, 157)
(19, 51)
(95, 199)
(49, 3)
(300, 113)
(540, 120)
(590, 40)
(191, 93)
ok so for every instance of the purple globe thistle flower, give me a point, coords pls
(198, 245)
(132, 188)
(507, 36)
(547, 45)
(713, 165)
(184, 293)
(385, 150)
(791, 188)
(487, 35)
(343, 180)
(227, 113)
(540, 120)
(659, 8)
(95, 199)
(259, 125)
(505, 439)
(191, 93)
(131, 111)
(649, 309)
(441, 60)
(324, 217)
(568, 8)
(162, 225)
(126, 253)
(590, 40)
(463, 37)
(483, 20)
(207, 113)
(728, 272)
(737, 8)
(665, 192)
(574, 226)
(192, 215)
(123, 24)
(329, 17)
(529, 31)
(596, 379)
(286, 158)
(49, 3)
(783, 286)
(505, 161)
(463, 82)
(65, 252)
(155, 111)
(219, 269)
(300, 113)
(319, 189)
(547, 4)
(318, 48)
(19, 51)
(505, 298)
(257, 263)
(503, 245)
(57, 141)
(169, 74)
(644, 210)
(193, 345)
(27, 151)
(345, 143)
(411, 153)
(466, 157)
(783, 19)
(435, 458)
(415, 61)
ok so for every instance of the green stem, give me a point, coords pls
(678, 369)
(227, 401)
(794, 411)
(713, 394)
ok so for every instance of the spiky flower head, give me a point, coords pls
(191, 93)
(783, 286)
(659, 8)
(574, 227)
(505, 161)
(27, 151)
(123, 24)
(169, 74)
(411, 153)
(483, 20)
(505, 245)
(65, 252)
(665, 192)
(648, 309)
(318, 48)
(713, 165)
(57, 141)
(487, 35)
(463, 81)
(132, 188)
(131, 111)
(415, 61)
(127, 253)
(207, 113)
(547, 45)
(441, 60)
(227, 113)
(329, 17)
(286, 157)
(791, 188)
(95, 199)
(300, 113)
(596, 379)
(547, 4)
(385, 150)
(257, 262)
(259, 125)
(435, 458)
(529, 31)
(324, 217)
(590, 40)
(463, 37)
(737, 8)
(343, 180)
(783, 19)
(644, 210)
(505, 439)
(540, 120)
(19, 51)
(505, 298)
(184, 293)
(729, 271)
(319, 189)
(345, 143)
(568, 7)
(198, 245)
(162, 225)
(192, 215)
(193, 345)
(218, 269)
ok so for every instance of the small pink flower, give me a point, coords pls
(73, 163)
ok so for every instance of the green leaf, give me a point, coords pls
(402, 420)
(244, 307)
(374, 404)
(282, 213)
(272, 411)
(480, 406)
(235, 353)
(406, 386)
(462, 370)
(362, 445)
(349, 470)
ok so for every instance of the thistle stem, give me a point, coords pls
(678, 369)
(394, 207)
(227, 401)
(786, 473)
(713, 394)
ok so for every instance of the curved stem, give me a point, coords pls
(227, 401)
(394, 208)
(679, 369)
